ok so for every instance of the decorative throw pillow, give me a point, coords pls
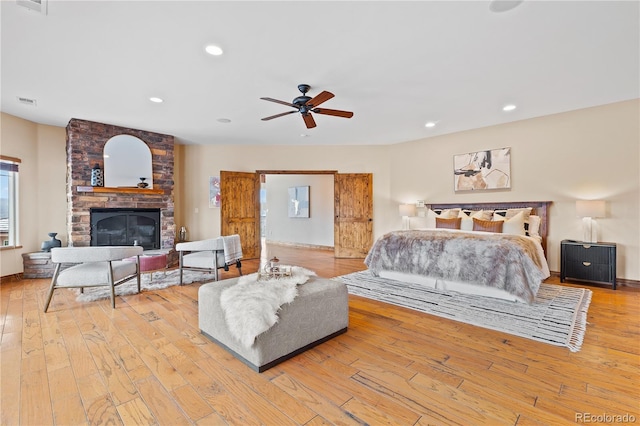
(534, 226)
(467, 218)
(509, 213)
(487, 225)
(444, 214)
(453, 223)
(418, 222)
(513, 225)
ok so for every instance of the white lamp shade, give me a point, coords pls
(590, 208)
(407, 209)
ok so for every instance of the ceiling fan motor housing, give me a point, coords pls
(301, 100)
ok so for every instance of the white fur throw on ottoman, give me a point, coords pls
(319, 312)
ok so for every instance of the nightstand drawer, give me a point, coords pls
(589, 271)
(588, 253)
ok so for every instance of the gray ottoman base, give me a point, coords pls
(319, 313)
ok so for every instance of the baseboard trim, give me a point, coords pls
(627, 283)
(12, 277)
(620, 282)
(302, 245)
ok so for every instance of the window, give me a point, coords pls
(9, 201)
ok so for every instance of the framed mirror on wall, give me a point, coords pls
(127, 163)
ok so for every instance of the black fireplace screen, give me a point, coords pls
(125, 227)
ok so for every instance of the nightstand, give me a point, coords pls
(590, 262)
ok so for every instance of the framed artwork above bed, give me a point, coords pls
(482, 170)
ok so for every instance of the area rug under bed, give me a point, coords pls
(557, 317)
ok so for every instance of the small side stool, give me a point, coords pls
(151, 263)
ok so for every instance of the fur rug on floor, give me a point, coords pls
(148, 282)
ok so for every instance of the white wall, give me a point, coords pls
(585, 154)
(589, 153)
(197, 162)
(317, 230)
(42, 185)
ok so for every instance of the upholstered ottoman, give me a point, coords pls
(319, 312)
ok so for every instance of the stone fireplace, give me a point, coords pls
(85, 144)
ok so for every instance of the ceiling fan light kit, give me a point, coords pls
(305, 105)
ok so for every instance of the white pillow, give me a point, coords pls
(513, 225)
(467, 221)
(430, 222)
(420, 222)
(526, 211)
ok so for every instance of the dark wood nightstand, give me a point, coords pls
(589, 262)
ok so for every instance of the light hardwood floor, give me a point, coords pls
(145, 362)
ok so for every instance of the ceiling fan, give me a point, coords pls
(305, 105)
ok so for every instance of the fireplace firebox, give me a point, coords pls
(125, 227)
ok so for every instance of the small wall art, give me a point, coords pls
(482, 170)
(214, 191)
(299, 201)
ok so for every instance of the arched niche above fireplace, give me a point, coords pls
(126, 160)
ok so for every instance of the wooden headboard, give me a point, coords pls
(538, 208)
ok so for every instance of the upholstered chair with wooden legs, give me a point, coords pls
(210, 255)
(94, 267)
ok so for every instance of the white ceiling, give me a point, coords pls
(396, 65)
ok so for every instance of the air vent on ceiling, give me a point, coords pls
(35, 5)
(27, 101)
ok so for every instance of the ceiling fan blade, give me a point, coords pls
(280, 102)
(309, 121)
(334, 112)
(320, 98)
(278, 115)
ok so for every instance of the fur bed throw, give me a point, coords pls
(251, 306)
(509, 262)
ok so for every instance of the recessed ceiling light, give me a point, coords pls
(503, 5)
(304, 135)
(509, 107)
(214, 50)
(156, 100)
(223, 120)
(430, 124)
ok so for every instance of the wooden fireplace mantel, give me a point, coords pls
(121, 190)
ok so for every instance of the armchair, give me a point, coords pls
(210, 255)
(94, 267)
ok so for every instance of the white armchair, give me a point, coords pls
(210, 255)
(95, 266)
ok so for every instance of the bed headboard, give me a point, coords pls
(538, 208)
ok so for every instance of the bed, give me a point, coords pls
(488, 249)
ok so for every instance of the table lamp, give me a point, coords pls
(406, 210)
(587, 210)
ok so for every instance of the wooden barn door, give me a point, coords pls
(240, 209)
(353, 225)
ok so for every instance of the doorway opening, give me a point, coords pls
(309, 226)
